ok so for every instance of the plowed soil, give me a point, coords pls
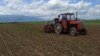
(25, 39)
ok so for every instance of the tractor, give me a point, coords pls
(66, 23)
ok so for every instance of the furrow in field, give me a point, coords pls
(3, 50)
(3, 47)
(28, 45)
(16, 48)
(29, 49)
(30, 41)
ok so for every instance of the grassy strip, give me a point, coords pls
(86, 22)
(92, 22)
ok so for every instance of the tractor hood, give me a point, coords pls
(72, 22)
(79, 23)
(75, 22)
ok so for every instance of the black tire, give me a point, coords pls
(58, 28)
(73, 31)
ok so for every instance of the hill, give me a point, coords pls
(18, 18)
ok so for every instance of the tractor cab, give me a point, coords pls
(69, 20)
(67, 16)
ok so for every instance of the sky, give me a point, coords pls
(48, 9)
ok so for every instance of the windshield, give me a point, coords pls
(62, 17)
(70, 17)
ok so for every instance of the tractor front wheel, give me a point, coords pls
(58, 28)
(73, 31)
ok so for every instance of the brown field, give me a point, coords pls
(25, 39)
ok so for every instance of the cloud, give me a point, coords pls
(49, 9)
(94, 12)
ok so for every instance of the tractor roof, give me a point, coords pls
(67, 14)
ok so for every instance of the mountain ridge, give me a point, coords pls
(19, 18)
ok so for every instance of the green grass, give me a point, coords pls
(86, 22)
(92, 22)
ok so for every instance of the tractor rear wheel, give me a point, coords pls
(58, 28)
(73, 31)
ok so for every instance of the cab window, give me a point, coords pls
(68, 17)
(60, 17)
(64, 17)
(72, 17)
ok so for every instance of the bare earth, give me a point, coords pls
(30, 40)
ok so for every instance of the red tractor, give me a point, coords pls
(66, 22)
